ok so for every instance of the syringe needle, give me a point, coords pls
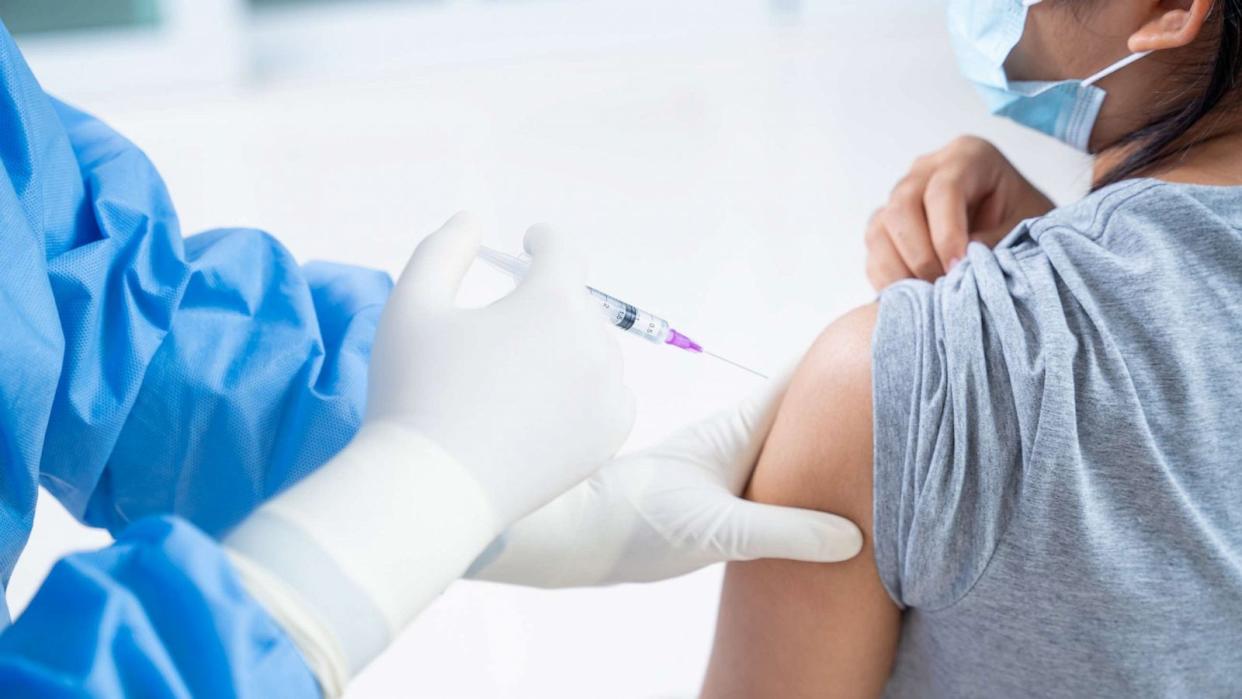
(620, 314)
(739, 366)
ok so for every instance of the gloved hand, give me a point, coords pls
(527, 393)
(475, 417)
(668, 511)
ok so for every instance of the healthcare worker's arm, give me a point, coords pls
(160, 613)
(144, 373)
(257, 364)
(129, 335)
(475, 418)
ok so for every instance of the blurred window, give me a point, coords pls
(261, 4)
(35, 16)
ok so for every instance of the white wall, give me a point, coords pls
(719, 159)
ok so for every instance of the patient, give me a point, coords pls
(1044, 446)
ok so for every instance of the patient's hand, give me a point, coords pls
(813, 630)
(965, 191)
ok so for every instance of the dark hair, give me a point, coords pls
(1167, 135)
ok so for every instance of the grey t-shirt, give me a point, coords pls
(1058, 455)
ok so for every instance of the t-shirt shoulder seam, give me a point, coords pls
(1107, 207)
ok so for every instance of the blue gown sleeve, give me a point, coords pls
(159, 613)
(199, 378)
(196, 377)
(146, 374)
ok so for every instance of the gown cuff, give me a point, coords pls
(347, 557)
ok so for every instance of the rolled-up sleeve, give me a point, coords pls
(949, 424)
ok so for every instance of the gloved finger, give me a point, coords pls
(769, 531)
(556, 262)
(737, 436)
(622, 396)
(433, 275)
(726, 445)
(757, 412)
(551, 547)
(615, 408)
(627, 416)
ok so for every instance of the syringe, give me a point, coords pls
(625, 316)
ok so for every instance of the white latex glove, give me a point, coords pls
(475, 418)
(668, 511)
(526, 393)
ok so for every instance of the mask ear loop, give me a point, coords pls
(1123, 63)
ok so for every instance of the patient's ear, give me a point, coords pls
(1173, 24)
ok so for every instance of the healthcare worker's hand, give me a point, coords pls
(526, 394)
(667, 511)
(966, 191)
(475, 418)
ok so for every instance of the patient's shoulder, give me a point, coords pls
(819, 452)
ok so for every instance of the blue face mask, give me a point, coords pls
(984, 33)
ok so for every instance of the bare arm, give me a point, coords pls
(813, 630)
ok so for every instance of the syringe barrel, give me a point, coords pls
(630, 318)
(625, 316)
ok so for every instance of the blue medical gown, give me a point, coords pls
(143, 374)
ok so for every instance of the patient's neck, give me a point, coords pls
(1212, 158)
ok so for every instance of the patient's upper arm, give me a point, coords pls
(819, 452)
(796, 629)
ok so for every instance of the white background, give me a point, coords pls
(718, 158)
